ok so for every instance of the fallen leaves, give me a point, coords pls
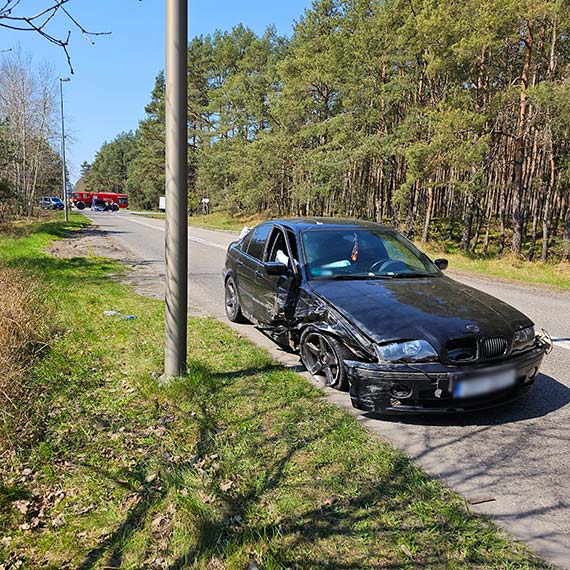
(151, 478)
(22, 506)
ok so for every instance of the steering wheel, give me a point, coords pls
(384, 264)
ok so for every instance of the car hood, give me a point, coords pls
(435, 309)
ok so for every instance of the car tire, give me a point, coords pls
(323, 356)
(80, 205)
(232, 304)
(115, 208)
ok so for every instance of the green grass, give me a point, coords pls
(507, 267)
(444, 242)
(239, 460)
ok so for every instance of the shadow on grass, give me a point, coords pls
(238, 522)
(81, 269)
(53, 228)
(11, 493)
(86, 269)
(145, 497)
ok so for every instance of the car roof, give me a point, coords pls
(300, 224)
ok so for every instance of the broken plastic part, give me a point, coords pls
(545, 340)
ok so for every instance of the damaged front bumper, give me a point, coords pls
(437, 387)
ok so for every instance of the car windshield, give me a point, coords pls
(363, 253)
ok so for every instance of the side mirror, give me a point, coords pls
(275, 268)
(441, 264)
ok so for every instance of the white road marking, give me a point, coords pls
(162, 229)
(206, 242)
(562, 343)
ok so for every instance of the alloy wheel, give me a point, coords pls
(320, 358)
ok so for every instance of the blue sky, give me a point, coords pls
(113, 79)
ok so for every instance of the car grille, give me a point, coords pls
(493, 347)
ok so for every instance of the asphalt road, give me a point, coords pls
(516, 458)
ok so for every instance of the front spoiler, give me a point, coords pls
(431, 385)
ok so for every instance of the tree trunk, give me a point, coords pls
(532, 246)
(467, 224)
(566, 235)
(519, 150)
(429, 209)
(487, 235)
(479, 219)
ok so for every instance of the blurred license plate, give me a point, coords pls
(484, 384)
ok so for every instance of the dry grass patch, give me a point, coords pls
(25, 328)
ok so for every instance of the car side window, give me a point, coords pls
(258, 239)
(277, 248)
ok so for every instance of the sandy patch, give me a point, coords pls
(147, 280)
(92, 242)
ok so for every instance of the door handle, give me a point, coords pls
(239, 262)
(259, 273)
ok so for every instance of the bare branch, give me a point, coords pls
(38, 23)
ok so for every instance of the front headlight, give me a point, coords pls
(523, 339)
(410, 351)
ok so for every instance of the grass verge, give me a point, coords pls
(239, 461)
(506, 267)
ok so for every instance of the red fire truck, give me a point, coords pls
(82, 200)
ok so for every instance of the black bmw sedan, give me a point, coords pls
(370, 313)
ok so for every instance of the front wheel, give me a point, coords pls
(80, 205)
(115, 208)
(233, 307)
(323, 356)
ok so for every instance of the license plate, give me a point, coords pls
(484, 384)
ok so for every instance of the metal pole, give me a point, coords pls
(176, 292)
(64, 170)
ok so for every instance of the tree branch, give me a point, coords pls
(38, 23)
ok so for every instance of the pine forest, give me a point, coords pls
(448, 119)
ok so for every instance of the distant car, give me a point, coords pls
(369, 312)
(51, 203)
(103, 205)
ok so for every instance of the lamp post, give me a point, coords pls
(63, 169)
(176, 282)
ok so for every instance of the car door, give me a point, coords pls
(249, 266)
(276, 293)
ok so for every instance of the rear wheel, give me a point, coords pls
(80, 205)
(323, 356)
(115, 208)
(233, 307)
